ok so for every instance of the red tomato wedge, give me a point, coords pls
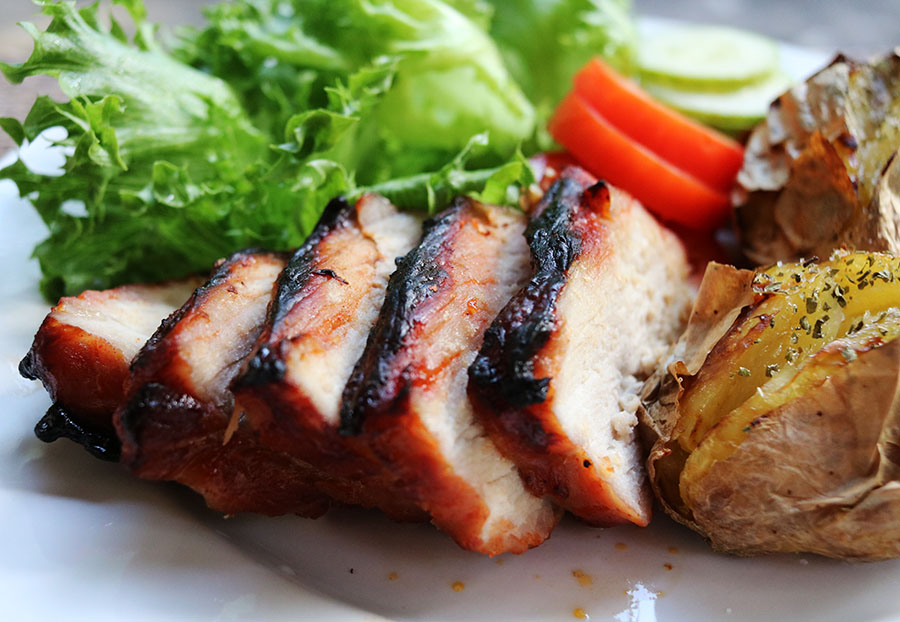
(610, 154)
(707, 155)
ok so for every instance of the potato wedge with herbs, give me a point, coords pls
(776, 424)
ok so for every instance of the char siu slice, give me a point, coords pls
(406, 399)
(557, 380)
(176, 422)
(81, 355)
(326, 301)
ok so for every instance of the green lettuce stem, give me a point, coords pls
(413, 191)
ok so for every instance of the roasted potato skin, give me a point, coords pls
(723, 293)
(818, 473)
(815, 475)
(821, 171)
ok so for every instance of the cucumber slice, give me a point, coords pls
(736, 110)
(714, 58)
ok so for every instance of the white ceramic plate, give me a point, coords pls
(81, 540)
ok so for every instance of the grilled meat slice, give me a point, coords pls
(175, 424)
(557, 380)
(326, 300)
(406, 399)
(81, 355)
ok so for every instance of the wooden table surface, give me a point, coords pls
(859, 28)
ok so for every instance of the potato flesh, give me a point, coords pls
(800, 310)
(724, 439)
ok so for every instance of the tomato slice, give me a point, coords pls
(610, 154)
(702, 152)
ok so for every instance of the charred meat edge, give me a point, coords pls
(376, 406)
(283, 415)
(508, 396)
(85, 427)
(503, 373)
(84, 373)
(169, 433)
(375, 386)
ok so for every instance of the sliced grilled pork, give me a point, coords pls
(81, 354)
(326, 301)
(406, 399)
(176, 422)
(556, 382)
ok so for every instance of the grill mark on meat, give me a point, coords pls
(327, 298)
(405, 400)
(507, 359)
(375, 385)
(266, 365)
(175, 424)
(515, 383)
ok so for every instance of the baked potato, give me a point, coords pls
(775, 425)
(821, 171)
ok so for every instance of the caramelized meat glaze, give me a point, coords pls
(406, 401)
(81, 355)
(556, 380)
(179, 423)
(326, 300)
(478, 371)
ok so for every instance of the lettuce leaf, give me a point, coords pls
(544, 42)
(152, 147)
(447, 83)
(241, 135)
(499, 185)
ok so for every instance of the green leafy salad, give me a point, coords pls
(238, 133)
